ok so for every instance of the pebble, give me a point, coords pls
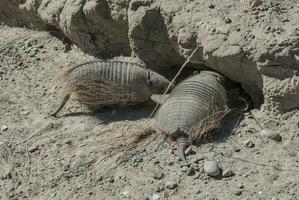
(268, 28)
(125, 194)
(158, 175)
(68, 142)
(4, 128)
(211, 5)
(227, 20)
(189, 150)
(255, 3)
(110, 180)
(211, 168)
(198, 158)
(6, 175)
(248, 143)
(25, 112)
(238, 193)
(166, 194)
(228, 173)
(156, 161)
(195, 167)
(190, 171)
(241, 186)
(66, 167)
(33, 148)
(155, 196)
(271, 135)
(184, 168)
(197, 175)
(171, 185)
(213, 30)
(170, 163)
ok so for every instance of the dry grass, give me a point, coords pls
(207, 125)
(6, 158)
(129, 140)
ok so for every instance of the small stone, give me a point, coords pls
(189, 150)
(158, 175)
(237, 149)
(227, 173)
(4, 128)
(7, 175)
(268, 28)
(271, 135)
(241, 186)
(166, 194)
(227, 20)
(40, 46)
(248, 143)
(211, 168)
(110, 180)
(198, 159)
(184, 168)
(68, 142)
(171, 185)
(213, 30)
(33, 148)
(238, 193)
(155, 196)
(125, 194)
(156, 161)
(197, 175)
(211, 5)
(170, 163)
(255, 3)
(25, 112)
(198, 191)
(190, 171)
(100, 178)
(66, 167)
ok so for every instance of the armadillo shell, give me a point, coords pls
(194, 100)
(107, 83)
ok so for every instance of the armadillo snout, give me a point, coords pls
(157, 83)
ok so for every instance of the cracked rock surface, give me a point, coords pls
(253, 42)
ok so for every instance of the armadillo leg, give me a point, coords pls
(182, 142)
(66, 98)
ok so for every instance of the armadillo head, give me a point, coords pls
(217, 75)
(156, 82)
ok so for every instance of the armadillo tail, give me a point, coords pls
(66, 98)
(182, 142)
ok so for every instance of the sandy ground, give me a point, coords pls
(93, 156)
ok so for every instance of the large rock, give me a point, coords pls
(99, 27)
(252, 42)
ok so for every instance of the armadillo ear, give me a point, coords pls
(148, 75)
(149, 83)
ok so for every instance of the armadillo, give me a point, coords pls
(196, 105)
(103, 83)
